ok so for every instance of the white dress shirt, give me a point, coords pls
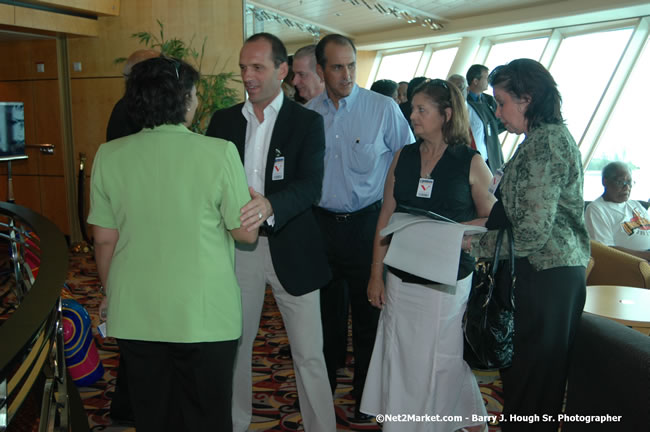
(258, 139)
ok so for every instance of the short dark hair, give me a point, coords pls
(526, 78)
(385, 86)
(475, 72)
(158, 91)
(278, 50)
(446, 95)
(613, 168)
(334, 38)
(413, 84)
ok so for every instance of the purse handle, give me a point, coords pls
(495, 263)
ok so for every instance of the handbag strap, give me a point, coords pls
(495, 262)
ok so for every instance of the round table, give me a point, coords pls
(628, 305)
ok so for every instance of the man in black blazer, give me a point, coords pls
(282, 146)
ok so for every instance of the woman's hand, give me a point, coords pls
(103, 309)
(376, 292)
(477, 222)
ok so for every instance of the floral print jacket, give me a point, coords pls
(541, 192)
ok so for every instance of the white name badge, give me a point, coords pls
(425, 186)
(278, 169)
(496, 179)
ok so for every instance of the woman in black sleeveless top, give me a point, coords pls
(417, 365)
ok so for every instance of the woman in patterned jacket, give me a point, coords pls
(540, 196)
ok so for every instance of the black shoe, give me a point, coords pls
(360, 417)
(122, 420)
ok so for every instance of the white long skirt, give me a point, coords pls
(417, 365)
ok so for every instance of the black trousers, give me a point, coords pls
(180, 386)
(120, 402)
(548, 306)
(349, 250)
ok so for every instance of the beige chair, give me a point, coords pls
(614, 267)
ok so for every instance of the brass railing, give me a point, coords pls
(31, 339)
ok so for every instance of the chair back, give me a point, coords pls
(614, 267)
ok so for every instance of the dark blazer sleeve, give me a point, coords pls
(229, 124)
(304, 189)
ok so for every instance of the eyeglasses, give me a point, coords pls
(623, 183)
(174, 62)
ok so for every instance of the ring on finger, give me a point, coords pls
(259, 215)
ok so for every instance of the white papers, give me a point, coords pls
(425, 247)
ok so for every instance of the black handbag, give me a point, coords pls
(488, 323)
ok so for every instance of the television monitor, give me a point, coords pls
(12, 131)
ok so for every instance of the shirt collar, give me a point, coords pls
(345, 103)
(475, 97)
(275, 105)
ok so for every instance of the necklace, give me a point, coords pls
(428, 164)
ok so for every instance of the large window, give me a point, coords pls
(399, 67)
(624, 138)
(582, 68)
(502, 53)
(440, 63)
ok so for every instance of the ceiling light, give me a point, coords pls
(399, 12)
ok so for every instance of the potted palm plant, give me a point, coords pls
(212, 90)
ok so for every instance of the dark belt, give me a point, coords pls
(264, 231)
(346, 217)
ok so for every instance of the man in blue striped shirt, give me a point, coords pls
(363, 131)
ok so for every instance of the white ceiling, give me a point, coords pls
(459, 18)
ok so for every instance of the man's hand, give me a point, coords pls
(256, 211)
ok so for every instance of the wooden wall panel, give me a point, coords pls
(54, 22)
(6, 14)
(100, 7)
(26, 191)
(92, 103)
(220, 21)
(24, 55)
(47, 121)
(96, 88)
(54, 201)
(17, 67)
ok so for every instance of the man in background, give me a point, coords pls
(474, 120)
(614, 219)
(486, 133)
(401, 91)
(363, 131)
(405, 107)
(305, 78)
(119, 124)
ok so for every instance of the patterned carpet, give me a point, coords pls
(274, 381)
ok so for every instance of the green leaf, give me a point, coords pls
(212, 90)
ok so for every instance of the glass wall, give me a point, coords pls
(399, 67)
(440, 63)
(624, 138)
(599, 74)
